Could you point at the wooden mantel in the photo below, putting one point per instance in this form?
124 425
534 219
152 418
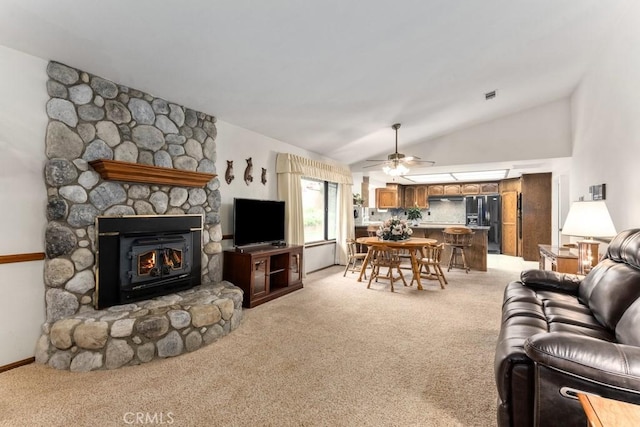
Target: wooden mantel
135 172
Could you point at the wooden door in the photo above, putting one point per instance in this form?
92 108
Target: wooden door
510 223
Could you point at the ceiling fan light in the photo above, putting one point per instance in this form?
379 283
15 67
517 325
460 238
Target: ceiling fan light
396 170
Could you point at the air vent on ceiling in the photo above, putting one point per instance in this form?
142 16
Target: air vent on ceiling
490 95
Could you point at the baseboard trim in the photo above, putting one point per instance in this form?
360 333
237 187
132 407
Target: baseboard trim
17 364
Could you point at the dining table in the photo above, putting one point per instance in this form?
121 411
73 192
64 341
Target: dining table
413 245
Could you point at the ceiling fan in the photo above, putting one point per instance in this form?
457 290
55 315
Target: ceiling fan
397 163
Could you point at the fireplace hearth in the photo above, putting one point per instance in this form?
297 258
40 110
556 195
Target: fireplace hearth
143 257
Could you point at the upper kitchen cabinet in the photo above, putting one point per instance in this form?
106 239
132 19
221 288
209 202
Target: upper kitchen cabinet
470 189
409 196
452 189
436 190
489 188
416 195
390 197
422 198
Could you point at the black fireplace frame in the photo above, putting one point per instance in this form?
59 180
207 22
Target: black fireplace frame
108 232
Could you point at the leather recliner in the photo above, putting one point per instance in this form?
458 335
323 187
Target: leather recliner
562 334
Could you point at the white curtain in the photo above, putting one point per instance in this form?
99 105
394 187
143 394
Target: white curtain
290 169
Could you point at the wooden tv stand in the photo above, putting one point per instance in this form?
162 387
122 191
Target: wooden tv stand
264 272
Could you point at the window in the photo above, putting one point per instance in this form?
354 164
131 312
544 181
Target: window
319 205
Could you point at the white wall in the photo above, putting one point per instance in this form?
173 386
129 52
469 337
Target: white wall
237 144
606 124
22 214
536 133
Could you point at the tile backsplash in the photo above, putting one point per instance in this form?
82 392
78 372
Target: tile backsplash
440 211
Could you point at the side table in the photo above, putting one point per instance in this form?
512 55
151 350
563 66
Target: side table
562 260
603 412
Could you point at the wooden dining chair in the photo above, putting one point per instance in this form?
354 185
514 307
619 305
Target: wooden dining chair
384 257
356 258
429 262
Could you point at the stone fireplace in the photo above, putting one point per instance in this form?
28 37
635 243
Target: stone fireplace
168 296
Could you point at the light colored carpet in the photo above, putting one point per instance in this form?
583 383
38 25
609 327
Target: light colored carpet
331 354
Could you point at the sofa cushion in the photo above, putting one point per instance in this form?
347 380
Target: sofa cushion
516 291
625 247
585 331
551 280
614 291
571 316
627 330
556 297
571 304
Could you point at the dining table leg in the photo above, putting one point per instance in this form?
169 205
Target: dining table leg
415 267
365 263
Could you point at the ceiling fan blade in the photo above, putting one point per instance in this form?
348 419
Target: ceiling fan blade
377 164
376 160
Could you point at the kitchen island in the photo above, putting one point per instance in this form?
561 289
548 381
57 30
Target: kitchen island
476 254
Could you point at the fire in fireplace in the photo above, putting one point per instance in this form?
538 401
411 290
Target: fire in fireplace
143 257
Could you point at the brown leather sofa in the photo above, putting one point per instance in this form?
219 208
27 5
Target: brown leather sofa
562 334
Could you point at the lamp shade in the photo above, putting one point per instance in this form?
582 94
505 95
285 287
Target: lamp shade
589 219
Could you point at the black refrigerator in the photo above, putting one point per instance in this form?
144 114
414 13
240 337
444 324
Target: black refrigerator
485 211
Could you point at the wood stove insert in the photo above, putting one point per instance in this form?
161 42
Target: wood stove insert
141 257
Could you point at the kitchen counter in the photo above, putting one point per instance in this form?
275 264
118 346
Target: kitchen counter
476 254
443 226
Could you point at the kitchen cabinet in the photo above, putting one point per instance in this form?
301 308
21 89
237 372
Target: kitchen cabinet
415 195
436 190
451 189
535 207
470 189
422 199
390 197
526 215
489 188
409 196
510 217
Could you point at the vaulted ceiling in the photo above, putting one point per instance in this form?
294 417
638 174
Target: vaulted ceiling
329 76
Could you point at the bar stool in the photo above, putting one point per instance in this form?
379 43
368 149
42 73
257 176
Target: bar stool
457 238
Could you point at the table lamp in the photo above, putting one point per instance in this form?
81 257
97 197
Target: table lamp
588 219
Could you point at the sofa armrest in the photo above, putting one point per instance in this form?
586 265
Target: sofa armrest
593 359
551 280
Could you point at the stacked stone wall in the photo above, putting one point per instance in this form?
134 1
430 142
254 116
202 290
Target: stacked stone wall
93 118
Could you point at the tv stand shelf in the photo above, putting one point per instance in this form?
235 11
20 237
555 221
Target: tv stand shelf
264 272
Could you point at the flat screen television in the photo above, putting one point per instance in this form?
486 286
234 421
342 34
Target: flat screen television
257 221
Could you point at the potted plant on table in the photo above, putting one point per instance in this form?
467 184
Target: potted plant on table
394 229
414 214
